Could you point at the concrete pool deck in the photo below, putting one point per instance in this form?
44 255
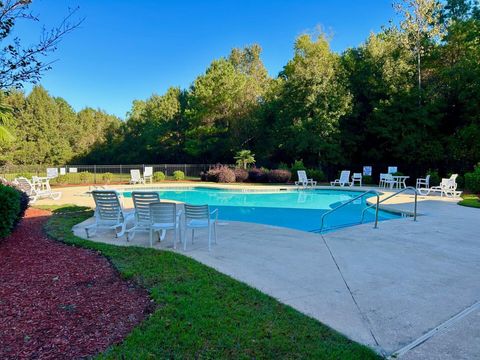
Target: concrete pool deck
386 287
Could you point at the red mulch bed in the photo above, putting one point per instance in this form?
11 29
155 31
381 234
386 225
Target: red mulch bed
58 301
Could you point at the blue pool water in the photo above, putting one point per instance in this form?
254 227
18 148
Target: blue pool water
299 210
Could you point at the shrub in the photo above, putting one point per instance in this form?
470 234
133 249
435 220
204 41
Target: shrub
472 180
257 175
60 180
158 176
24 174
279 176
203 175
84 176
316 174
221 174
241 175
107 177
367 180
14 203
434 177
178 175
283 166
297 165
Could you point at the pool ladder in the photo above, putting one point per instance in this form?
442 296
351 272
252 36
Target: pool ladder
376 205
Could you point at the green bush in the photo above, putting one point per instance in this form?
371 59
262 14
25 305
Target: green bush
158 176
178 175
297 165
61 180
316 174
367 180
107 177
24 174
472 180
84 176
434 177
10 209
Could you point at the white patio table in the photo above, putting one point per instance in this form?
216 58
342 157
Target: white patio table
400 182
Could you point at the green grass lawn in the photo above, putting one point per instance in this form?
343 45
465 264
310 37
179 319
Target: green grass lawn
204 314
470 201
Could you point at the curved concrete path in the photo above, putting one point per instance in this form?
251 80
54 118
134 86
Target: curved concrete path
390 288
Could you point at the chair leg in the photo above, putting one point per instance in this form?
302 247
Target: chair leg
151 237
132 232
122 231
175 238
185 240
164 233
209 237
215 231
193 234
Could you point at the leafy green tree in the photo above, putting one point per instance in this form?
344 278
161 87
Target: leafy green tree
313 98
422 27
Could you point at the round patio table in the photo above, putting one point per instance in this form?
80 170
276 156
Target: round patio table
400 182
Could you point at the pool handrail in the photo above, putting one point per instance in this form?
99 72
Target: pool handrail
374 192
393 195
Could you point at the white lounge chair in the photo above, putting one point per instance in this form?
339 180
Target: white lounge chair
447 187
148 174
303 180
423 185
141 203
356 178
387 180
136 177
34 192
164 216
199 216
108 213
344 179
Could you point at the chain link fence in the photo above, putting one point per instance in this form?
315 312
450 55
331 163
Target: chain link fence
98 174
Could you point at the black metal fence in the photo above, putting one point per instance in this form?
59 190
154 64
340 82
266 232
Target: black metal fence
98 174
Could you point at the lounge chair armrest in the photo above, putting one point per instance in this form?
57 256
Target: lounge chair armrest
214 212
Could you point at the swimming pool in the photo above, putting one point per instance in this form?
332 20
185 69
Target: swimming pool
299 210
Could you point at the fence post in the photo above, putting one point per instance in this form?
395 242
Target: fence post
185 166
94 174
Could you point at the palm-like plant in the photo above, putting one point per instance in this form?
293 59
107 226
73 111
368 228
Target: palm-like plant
244 158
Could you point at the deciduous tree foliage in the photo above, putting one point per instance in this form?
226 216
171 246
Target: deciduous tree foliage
374 104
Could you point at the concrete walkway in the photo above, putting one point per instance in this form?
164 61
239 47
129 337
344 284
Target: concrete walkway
383 287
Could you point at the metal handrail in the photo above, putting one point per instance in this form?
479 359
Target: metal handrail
350 201
391 196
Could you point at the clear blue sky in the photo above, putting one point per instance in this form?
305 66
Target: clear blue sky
128 49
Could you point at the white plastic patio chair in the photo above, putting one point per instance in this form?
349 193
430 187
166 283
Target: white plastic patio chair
199 216
387 180
447 187
303 180
423 185
148 174
34 192
164 216
356 178
135 177
344 179
108 213
141 203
